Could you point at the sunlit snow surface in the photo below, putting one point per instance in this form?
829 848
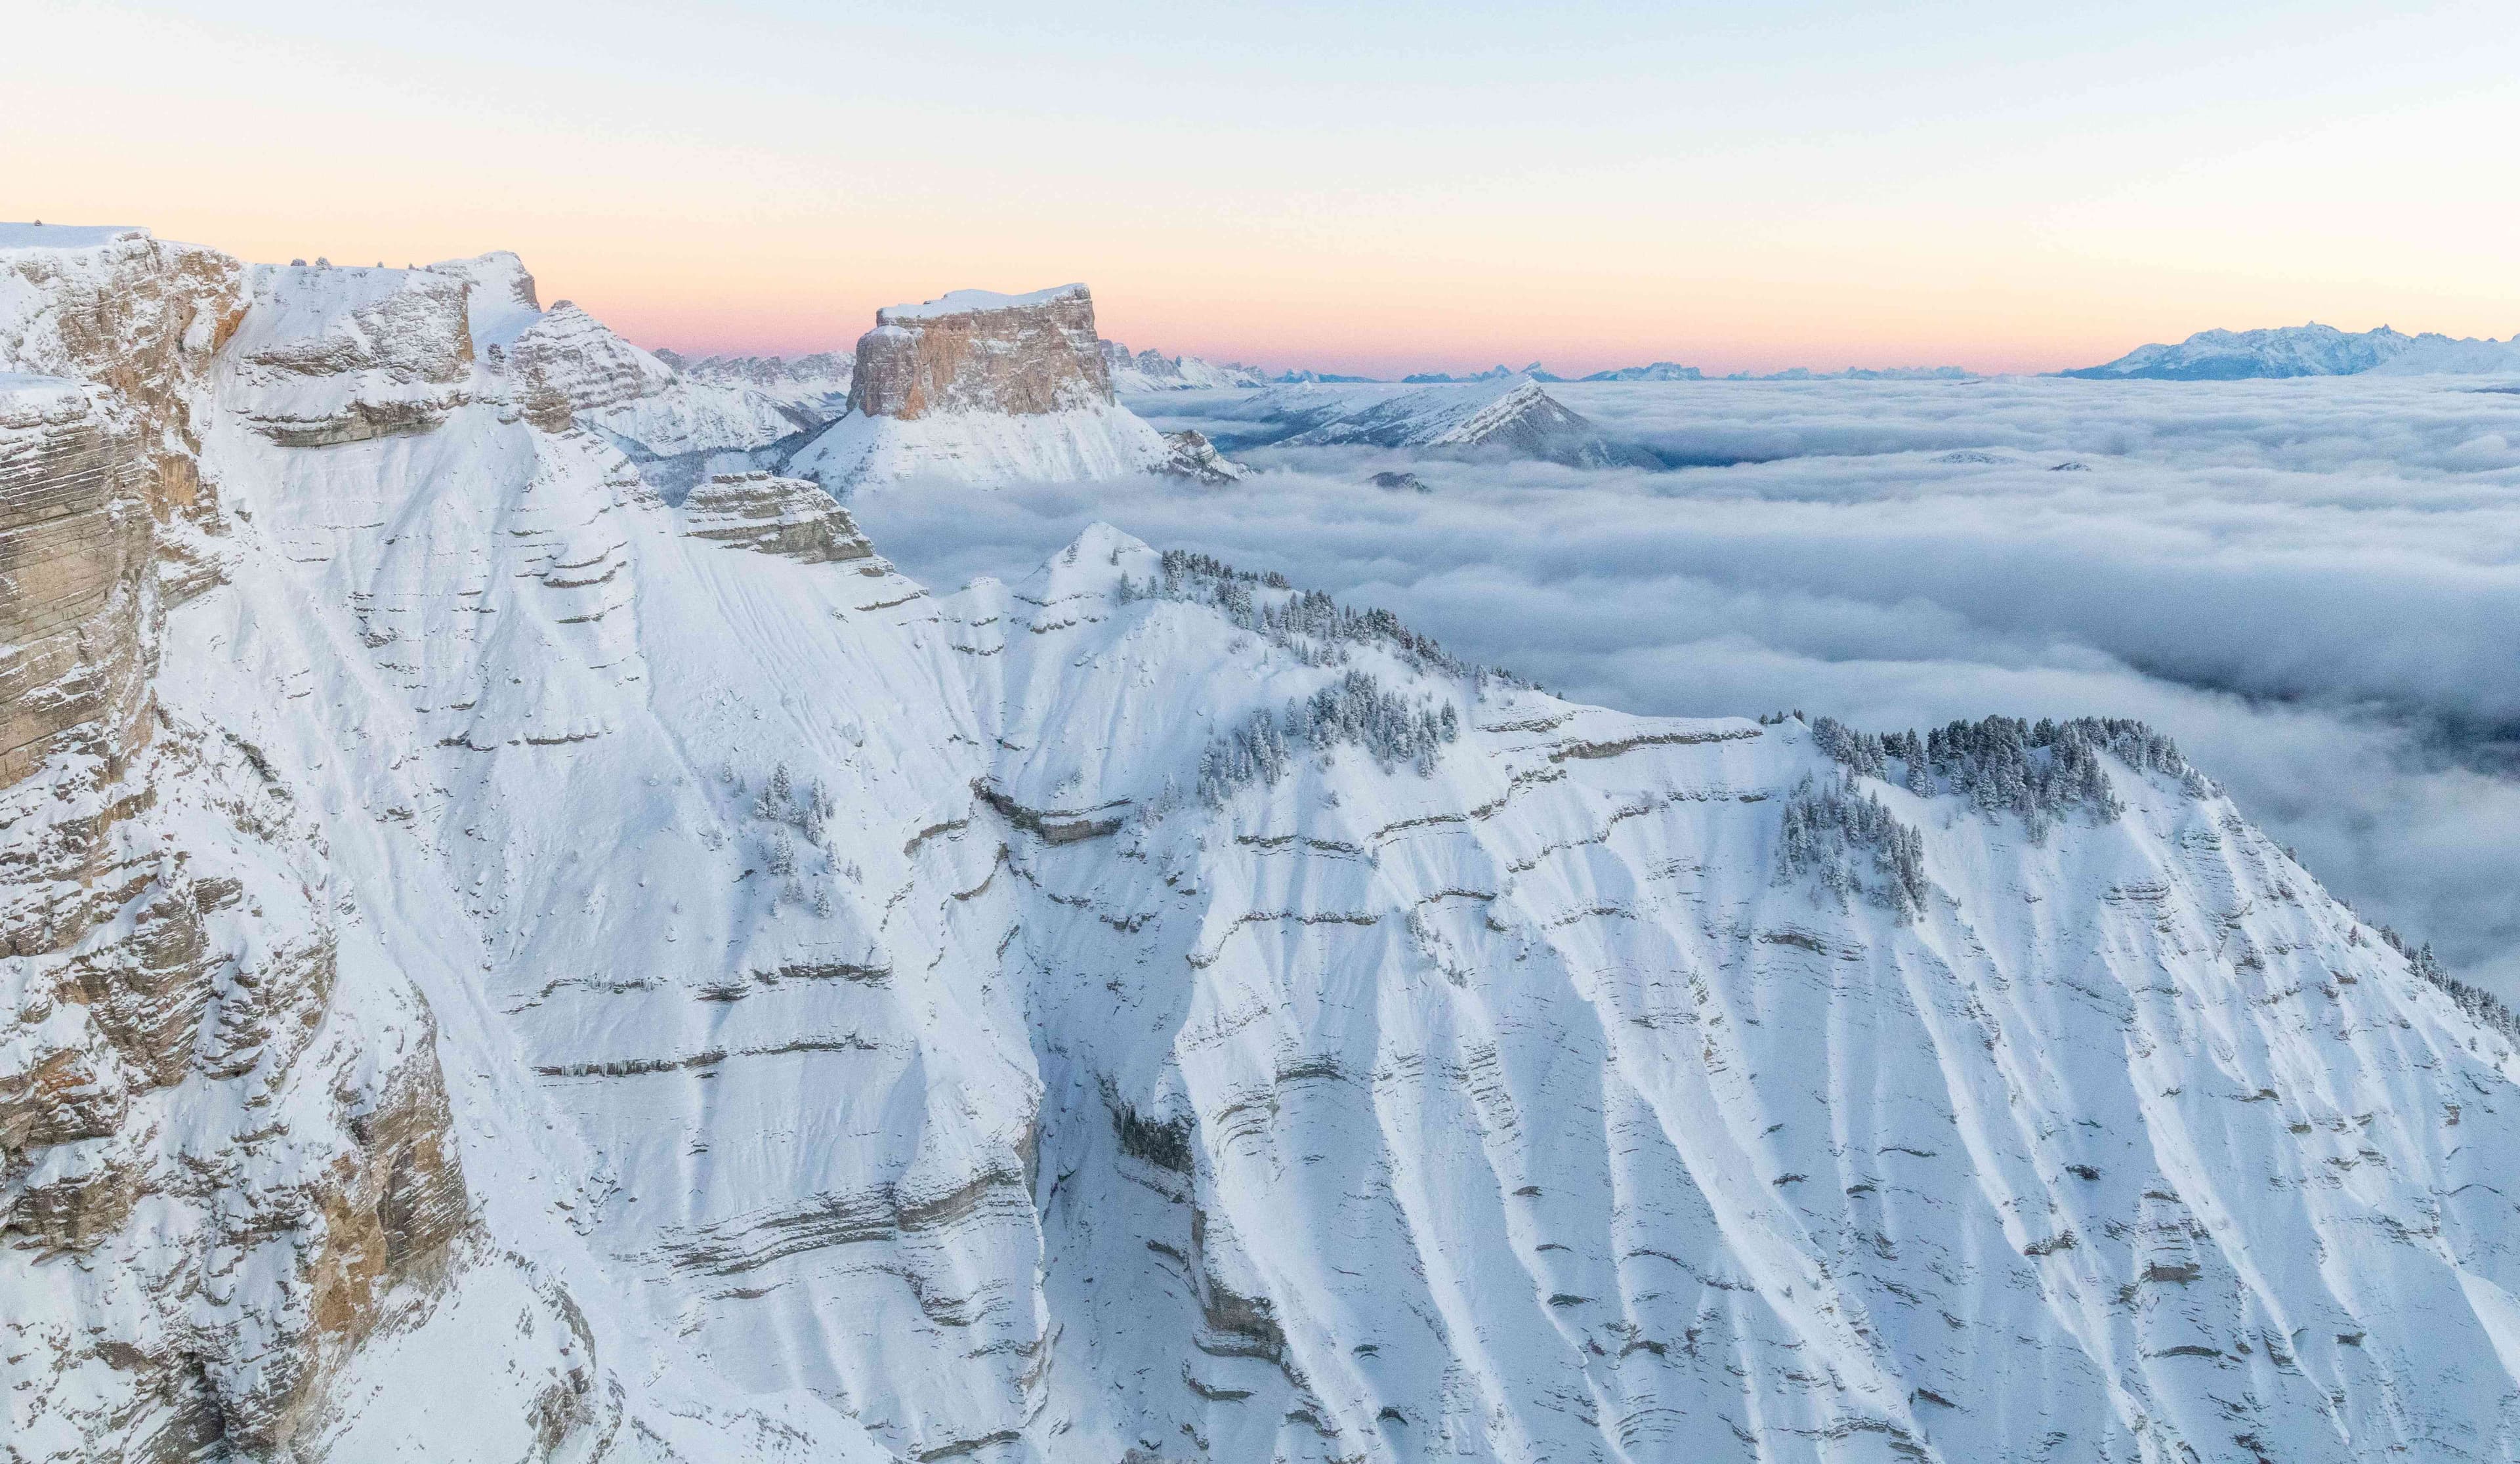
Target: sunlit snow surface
2312 583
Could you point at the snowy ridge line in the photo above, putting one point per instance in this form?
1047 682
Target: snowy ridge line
1730 1098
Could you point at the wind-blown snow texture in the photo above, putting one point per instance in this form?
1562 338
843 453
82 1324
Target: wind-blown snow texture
1144 1012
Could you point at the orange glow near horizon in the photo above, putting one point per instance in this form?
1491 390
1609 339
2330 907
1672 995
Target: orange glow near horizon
1809 196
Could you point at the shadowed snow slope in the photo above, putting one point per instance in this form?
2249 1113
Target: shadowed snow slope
1143 1011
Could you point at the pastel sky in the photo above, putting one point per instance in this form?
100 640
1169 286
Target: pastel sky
1365 187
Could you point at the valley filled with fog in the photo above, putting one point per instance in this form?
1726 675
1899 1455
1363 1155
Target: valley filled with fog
2313 584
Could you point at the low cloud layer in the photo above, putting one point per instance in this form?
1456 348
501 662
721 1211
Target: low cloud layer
2314 586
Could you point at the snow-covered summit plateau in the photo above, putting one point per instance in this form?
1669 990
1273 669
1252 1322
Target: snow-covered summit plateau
979 387
501 965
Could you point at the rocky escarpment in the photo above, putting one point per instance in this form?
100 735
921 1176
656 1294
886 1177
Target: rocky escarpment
225 1149
784 516
331 355
985 388
567 367
141 317
74 558
976 352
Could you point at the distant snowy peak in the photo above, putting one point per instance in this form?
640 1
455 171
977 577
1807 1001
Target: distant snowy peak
1672 370
818 381
1151 370
1515 417
982 387
1660 370
1497 373
2310 350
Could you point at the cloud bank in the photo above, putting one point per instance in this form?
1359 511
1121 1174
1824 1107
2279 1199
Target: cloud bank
2314 586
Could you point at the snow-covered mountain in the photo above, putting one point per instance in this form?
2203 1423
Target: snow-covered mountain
504 966
979 386
816 384
1497 373
1151 370
2310 350
1660 370
1512 417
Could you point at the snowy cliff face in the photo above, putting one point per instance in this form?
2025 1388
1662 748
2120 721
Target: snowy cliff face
570 367
574 975
979 387
339 355
224 1152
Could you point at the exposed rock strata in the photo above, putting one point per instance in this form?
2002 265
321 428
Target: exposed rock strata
784 516
975 351
985 388
1515 418
330 356
217 1176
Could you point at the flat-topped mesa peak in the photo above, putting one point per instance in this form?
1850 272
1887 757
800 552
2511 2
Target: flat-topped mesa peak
977 350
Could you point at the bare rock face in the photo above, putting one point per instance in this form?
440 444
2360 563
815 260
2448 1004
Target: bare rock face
978 351
140 316
330 356
772 515
74 559
985 388
214 1175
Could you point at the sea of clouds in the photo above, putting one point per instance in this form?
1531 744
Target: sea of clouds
2314 585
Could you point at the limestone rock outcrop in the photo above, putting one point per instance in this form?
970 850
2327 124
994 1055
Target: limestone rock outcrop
140 316
73 557
978 351
331 355
774 515
217 1174
984 387
569 368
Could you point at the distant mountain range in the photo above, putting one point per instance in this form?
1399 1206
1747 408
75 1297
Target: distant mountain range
2310 350
1672 370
